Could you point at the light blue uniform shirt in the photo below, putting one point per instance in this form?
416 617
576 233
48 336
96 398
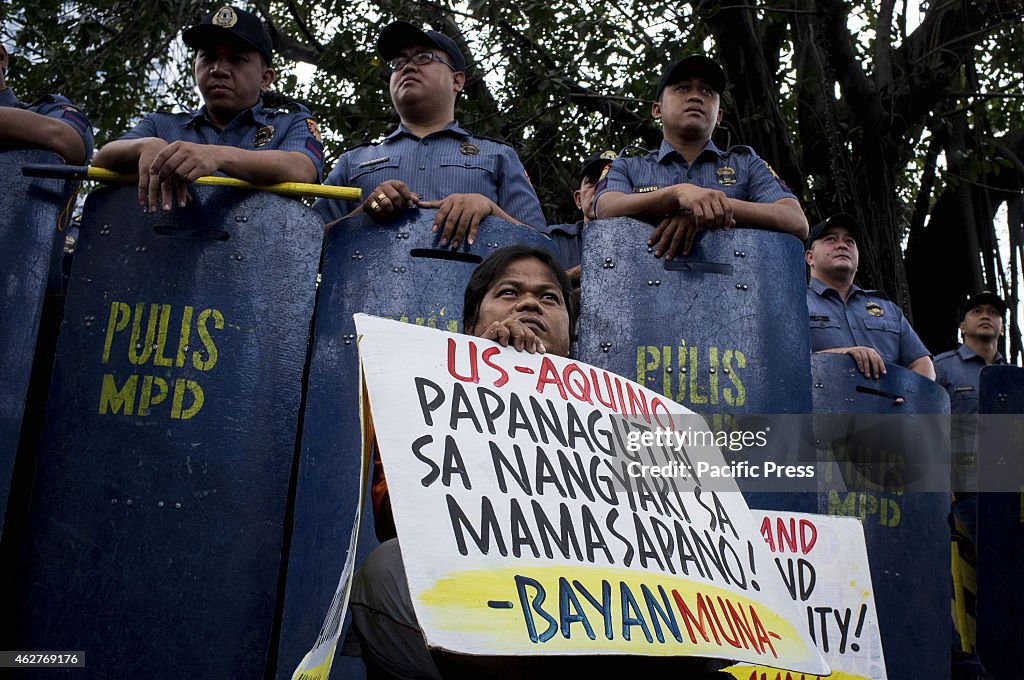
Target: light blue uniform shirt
867 318
254 129
738 173
58 107
959 372
449 161
568 239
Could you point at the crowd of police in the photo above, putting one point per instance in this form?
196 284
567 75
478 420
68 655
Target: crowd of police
685 187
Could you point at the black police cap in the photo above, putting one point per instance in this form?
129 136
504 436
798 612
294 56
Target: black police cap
837 220
693 65
985 297
595 163
398 35
231 26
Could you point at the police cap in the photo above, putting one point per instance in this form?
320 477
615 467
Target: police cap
693 65
231 26
398 35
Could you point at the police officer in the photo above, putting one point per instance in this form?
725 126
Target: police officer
431 161
959 372
233 134
569 237
689 184
52 122
846 319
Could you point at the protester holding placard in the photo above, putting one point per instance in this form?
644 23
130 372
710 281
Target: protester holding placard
520 298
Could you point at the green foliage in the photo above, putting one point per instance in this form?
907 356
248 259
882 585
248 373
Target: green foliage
561 79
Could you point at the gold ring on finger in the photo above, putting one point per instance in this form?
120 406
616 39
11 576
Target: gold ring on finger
375 206
381 196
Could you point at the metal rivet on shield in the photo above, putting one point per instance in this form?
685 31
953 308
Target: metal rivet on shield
668 369
657 282
177 506
138 346
741 286
739 253
113 501
725 370
357 255
159 504
650 249
605 346
650 282
128 502
682 369
89 319
105 230
241 218
819 386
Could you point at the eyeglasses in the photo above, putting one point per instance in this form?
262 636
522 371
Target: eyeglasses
421 59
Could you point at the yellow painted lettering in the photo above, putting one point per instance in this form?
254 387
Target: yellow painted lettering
146 396
116 400
204 336
695 396
139 349
185 337
713 374
739 397
180 385
161 337
120 314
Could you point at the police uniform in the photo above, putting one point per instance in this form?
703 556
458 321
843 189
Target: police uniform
568 239
959 372
738 173
449 161
58 107
255 129
867 318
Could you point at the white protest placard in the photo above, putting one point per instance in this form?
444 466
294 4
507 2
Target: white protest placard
823 563
526 528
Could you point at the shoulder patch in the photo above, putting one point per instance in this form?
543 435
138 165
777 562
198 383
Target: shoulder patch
314 129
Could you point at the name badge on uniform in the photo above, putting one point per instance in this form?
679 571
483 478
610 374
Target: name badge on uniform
366 164
966 388
726 175
645 190
263 135
467 149
818 317
874 309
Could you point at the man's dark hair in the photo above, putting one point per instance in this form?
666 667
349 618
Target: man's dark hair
491 268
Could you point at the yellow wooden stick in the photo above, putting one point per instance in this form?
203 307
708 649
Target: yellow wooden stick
283 189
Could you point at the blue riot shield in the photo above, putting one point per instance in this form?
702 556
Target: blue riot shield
1000 539
716 331
158 508
397 271
887 441
721 331
30 210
